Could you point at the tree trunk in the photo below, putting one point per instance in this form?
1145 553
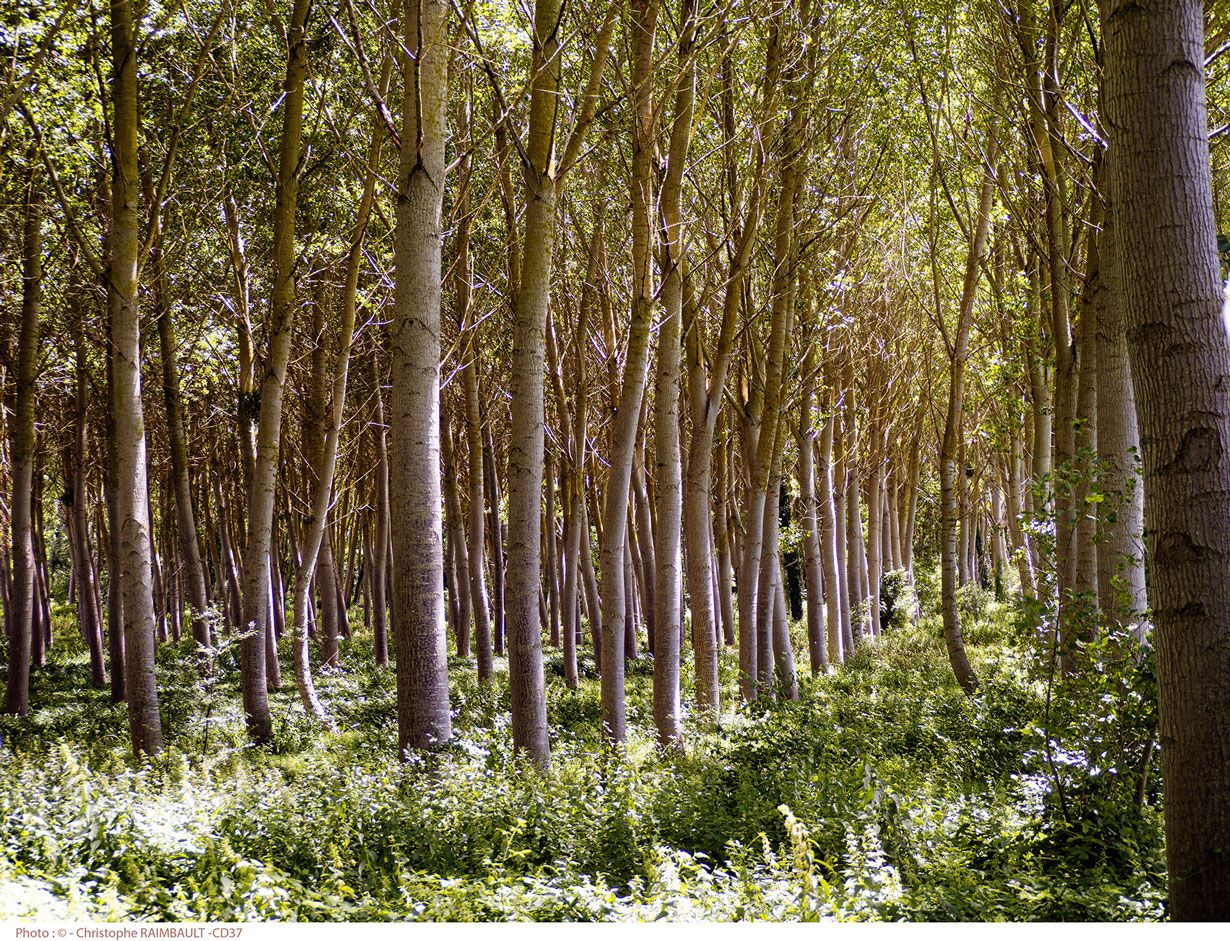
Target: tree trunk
380 531
1121 566
1180 361
22 592
954 438
255 595
615 550
423 718
818 654
136 562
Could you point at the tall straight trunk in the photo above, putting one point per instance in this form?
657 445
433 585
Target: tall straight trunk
721 536
457 539
875 528
76 506
478 540
380 531
136 562
525 454
615 551
185 518
472 427
855 566
496 530
818 654
423 718
643 522
255 595
668 471
1085 606
115 584
837 619
1180 361
849 594
953 440
964 550
576 540
315 404
551 542
572 582
1121 565
22 592
1020 542
783 649
1041 410
593 598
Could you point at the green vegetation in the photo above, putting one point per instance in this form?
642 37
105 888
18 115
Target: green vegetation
884 793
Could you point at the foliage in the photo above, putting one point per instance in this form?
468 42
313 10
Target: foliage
883 793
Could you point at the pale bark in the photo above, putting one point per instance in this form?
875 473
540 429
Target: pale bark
255 595
136 562
423 718
954 435
614 563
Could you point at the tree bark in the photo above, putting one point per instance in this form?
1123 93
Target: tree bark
22 593
423 718
1180 361
255 594
954 438
136 561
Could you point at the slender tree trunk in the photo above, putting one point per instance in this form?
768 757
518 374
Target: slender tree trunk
21 598
954 437
136 562
668 489
185 518
837 619
457 539
423 718
1085 607
615 551
1121 567
255 595
818 654
380 535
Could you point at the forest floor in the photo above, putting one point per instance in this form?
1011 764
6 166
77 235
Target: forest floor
883 793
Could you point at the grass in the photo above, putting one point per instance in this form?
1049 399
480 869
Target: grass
884 793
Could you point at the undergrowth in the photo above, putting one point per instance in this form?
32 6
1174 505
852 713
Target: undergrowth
884 793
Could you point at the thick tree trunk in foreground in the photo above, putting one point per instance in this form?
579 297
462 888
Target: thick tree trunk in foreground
1180 356
423 718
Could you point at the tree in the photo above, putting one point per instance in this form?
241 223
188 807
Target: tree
263 485
132 491
423 718
1180 361
21 594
